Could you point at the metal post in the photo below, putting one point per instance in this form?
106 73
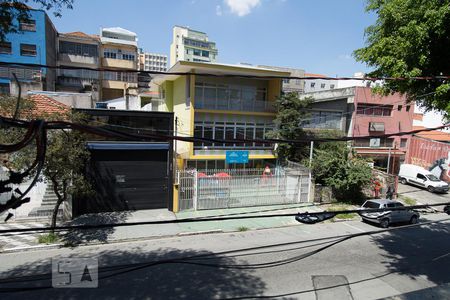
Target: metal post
310 175
195 195
389 161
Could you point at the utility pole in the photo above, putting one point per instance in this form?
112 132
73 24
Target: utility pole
310 165
175 147
389 161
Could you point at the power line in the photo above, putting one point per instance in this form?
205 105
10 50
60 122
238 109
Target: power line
387 78
193 220
124 269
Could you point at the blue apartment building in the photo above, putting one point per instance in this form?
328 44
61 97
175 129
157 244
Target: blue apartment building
34 43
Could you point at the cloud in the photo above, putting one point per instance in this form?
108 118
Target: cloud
218 10
242 7
345 56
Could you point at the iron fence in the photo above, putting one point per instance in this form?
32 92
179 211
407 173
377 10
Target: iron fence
232 188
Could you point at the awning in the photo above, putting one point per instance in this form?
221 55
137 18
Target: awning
127 146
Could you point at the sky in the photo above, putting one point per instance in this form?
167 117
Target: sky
318 36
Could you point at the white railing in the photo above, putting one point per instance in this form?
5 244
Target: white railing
231 188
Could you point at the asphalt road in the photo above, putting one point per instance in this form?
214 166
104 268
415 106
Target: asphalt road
422 196
283 262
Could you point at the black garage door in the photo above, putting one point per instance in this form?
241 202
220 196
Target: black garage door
127 177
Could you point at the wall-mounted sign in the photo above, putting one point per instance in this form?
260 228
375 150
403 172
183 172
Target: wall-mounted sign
236 156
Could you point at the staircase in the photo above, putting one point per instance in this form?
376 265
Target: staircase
47 205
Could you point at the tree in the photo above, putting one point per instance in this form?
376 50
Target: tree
335 165
66 153
410 38
11 11
291 110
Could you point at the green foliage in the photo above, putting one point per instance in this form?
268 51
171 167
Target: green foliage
410 38
14 10
66 154
49 238
291 112
242 228
337 167
340 207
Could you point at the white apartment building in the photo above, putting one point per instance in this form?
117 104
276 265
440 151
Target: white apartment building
191 45
152 61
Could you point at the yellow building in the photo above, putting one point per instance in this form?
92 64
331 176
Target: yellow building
222 108
118 51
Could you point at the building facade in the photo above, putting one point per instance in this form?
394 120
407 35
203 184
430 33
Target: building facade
191 45
359 113
33 44
152 61
223 109
291 85
78 49
317 85
119 51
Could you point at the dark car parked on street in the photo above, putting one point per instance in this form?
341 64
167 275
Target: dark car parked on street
385 218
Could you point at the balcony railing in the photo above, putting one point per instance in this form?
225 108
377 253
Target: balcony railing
91 60
239 104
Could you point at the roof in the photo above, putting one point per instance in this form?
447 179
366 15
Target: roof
219 69
315 75
119 30
47 105
80 34
435 135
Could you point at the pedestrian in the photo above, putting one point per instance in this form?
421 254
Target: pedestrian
390 192
267 173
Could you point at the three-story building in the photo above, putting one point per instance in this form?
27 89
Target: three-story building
118 51
33 44
221 108
79 50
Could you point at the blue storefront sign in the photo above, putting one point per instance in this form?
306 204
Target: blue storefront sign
236 156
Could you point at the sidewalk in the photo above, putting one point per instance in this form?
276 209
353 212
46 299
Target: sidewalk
152 231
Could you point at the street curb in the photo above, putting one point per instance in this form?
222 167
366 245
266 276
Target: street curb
31 248
200 232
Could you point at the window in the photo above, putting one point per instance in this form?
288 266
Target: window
27 25
331 86
399 108
286 81
5 48
298 81
374 110
313 84
110 53
403 143
197 52
78 49
408 107
27 50
420 176
322 86
205 53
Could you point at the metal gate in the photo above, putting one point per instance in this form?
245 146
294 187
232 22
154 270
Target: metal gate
231 188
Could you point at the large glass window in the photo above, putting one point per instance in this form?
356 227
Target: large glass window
78 49
219 135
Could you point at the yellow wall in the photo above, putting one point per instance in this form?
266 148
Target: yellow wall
183 113
274 89
118 63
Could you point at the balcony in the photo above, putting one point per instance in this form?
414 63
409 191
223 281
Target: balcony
238 105
81 59
119 63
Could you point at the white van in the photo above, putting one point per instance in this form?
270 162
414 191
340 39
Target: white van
421 177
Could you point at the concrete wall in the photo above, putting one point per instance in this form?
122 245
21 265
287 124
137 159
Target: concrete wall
75 100
399 120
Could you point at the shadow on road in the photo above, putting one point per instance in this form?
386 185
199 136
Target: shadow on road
409 251
171 280
77 236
